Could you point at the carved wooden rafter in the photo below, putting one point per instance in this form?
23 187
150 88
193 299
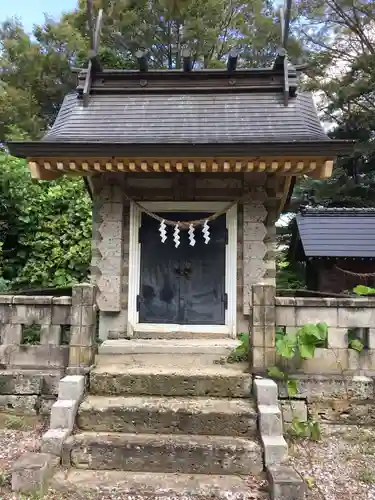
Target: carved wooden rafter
94 61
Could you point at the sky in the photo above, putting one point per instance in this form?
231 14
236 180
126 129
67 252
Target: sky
32 11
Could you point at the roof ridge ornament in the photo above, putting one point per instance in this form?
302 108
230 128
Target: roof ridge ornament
94 61
282 55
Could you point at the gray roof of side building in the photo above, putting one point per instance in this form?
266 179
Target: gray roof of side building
189 118
337 232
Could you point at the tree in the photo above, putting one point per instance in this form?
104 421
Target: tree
45 228
340 44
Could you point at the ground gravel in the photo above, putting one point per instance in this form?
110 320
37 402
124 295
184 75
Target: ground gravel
339 467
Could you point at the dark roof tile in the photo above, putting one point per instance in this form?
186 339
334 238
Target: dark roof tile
337 232
187 118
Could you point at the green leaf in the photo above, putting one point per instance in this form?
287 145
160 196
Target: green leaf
323 329
356 344
363 290
306 351
286 347
318 331
292 388
299 427
310 481
275 372
315 432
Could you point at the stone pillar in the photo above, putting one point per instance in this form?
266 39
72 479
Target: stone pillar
82 345
262 327
254 249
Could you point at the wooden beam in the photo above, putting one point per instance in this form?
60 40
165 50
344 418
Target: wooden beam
232 60
94 62
94 49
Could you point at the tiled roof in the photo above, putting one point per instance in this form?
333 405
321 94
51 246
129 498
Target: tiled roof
337 232
200 118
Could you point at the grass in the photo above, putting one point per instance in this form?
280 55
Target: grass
14 422
366 476
5 478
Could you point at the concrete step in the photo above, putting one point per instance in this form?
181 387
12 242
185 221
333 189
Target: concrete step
219 347
185 379
150 414
163 453
148 485
178 335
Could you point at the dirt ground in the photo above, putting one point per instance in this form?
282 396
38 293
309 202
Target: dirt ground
339 467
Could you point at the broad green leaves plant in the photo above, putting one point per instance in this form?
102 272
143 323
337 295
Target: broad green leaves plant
241 352
45 229
301 344
364 290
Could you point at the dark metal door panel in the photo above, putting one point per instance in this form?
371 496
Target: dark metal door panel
202 289
184 285
159 282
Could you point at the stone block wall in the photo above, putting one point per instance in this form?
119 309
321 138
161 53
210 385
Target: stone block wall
347 318
256 233
344 317
42 337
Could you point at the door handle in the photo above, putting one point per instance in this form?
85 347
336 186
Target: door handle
178 271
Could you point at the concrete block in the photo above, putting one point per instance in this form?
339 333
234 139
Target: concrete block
33 300
46 404
363 317
254 231
5 313
39 356
53 440
50 334
22 405
270 421
6 299
319 386
338 337
293 409
326 361
275 449
264 315
62 301
286 316
61 314
266 392
11 334
32 471
32 314
20 383
63 414
72 387
313 315
285 483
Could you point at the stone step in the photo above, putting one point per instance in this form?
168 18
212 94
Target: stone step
218 347
178 335
148 485
167 415
166 380
163 453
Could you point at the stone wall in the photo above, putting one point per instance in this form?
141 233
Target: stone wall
256 233
43 337
346 318
341 315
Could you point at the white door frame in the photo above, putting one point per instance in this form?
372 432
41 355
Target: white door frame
230 325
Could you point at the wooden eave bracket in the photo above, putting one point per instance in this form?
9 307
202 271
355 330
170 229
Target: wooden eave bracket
52 168
94 61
